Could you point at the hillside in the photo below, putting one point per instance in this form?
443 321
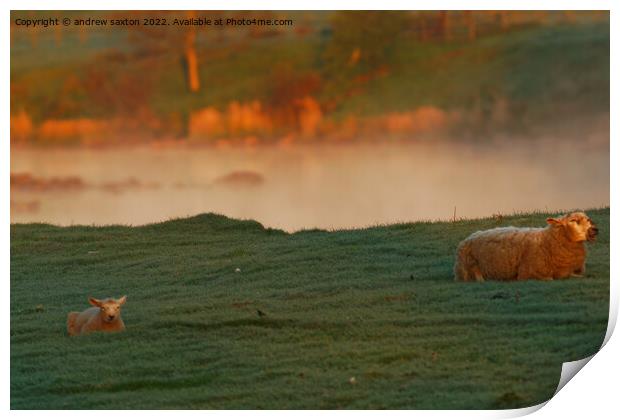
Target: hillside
378 305
539 74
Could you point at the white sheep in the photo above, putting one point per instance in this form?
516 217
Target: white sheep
510 253
105 315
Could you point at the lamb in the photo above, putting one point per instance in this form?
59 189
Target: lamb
509 253
105 315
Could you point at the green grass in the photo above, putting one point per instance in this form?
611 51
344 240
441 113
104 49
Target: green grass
378 304
540 67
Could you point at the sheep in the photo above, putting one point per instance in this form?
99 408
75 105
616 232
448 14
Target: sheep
105 315
509 253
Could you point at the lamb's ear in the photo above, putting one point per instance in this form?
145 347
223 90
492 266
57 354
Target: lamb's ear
94 302
122 300
554 222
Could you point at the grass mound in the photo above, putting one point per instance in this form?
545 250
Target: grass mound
224 313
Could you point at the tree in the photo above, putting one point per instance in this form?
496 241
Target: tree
444 24
372 33
164 40
470 21
360 45
191 59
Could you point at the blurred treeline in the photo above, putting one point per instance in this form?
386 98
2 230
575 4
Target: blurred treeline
329 75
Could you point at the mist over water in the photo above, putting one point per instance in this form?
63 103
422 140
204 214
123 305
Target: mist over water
320 186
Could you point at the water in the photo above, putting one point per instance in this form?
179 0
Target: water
313 186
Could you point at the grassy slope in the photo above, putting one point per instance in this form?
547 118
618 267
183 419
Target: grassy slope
541 68
543 71
377 304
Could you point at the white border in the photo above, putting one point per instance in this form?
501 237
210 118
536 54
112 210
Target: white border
593 393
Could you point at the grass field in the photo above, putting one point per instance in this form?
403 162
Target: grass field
378 305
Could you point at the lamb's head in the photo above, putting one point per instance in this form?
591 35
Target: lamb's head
577 226
110 308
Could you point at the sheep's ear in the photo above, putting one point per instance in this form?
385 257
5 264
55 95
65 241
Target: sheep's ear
122 300
554 222
94 302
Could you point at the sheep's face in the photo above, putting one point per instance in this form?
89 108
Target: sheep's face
110 308
577 226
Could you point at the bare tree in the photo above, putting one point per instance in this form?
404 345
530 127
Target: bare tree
191 59
470 21
445 25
